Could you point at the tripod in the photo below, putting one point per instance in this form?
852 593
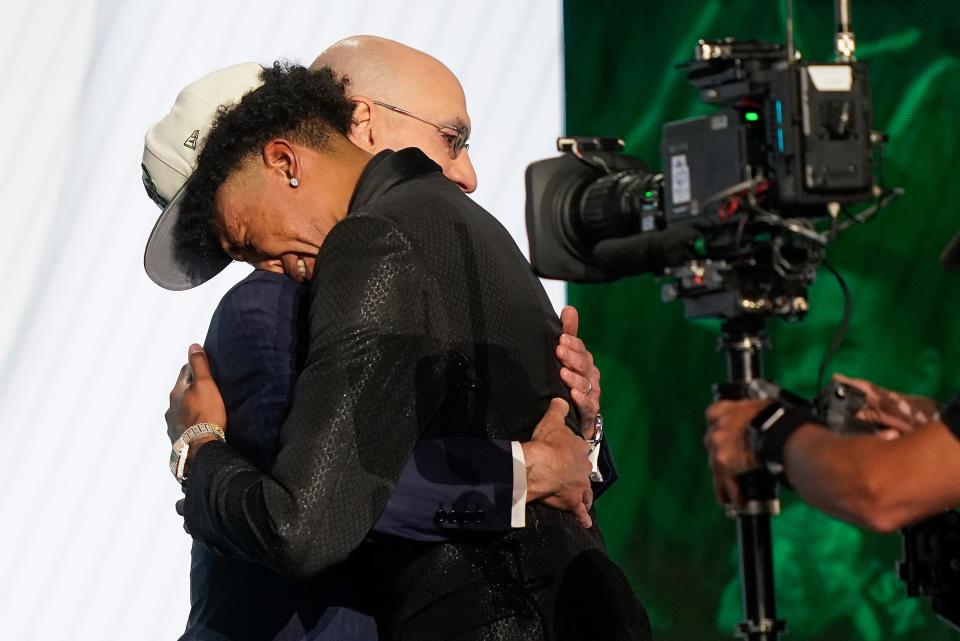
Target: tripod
743 342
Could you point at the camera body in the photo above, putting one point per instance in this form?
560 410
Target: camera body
805 128
792 141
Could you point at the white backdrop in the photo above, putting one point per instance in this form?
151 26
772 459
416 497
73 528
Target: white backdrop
90 547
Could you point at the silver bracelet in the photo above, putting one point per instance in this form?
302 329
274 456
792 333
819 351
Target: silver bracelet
597 432
178 453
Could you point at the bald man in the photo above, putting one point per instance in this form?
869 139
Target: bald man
435 499
400 94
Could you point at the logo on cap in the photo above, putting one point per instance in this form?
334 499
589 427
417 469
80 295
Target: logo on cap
191 142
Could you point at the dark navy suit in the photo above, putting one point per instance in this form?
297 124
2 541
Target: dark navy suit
255 345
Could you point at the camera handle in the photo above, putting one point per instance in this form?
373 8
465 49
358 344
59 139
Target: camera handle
743 341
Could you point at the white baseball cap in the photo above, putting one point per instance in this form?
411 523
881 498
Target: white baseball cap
170 151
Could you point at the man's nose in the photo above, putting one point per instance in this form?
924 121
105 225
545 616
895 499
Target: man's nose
461 171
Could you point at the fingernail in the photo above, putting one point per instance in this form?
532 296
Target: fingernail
195 349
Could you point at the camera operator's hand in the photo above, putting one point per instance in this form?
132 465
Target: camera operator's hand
898 413
558 467
728 453
579 372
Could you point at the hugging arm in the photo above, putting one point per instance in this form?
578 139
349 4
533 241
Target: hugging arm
446 485
232 504
369 384
253 347
477 485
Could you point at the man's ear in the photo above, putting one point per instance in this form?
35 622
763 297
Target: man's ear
279 156
361 131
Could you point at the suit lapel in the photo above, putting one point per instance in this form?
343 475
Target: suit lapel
386 169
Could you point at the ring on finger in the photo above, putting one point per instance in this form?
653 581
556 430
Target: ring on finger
589 388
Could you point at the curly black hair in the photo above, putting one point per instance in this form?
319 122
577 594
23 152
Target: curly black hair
302 105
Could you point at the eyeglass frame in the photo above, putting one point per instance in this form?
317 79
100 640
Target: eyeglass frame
458 142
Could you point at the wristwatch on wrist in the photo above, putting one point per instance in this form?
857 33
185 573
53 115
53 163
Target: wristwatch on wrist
597 432
768 434
178 456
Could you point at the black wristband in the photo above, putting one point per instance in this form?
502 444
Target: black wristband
769 431
950 416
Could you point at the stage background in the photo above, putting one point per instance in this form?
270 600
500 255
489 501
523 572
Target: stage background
90 546
834 581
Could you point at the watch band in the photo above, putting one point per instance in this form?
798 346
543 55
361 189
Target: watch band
597 431
595 475
768 434
178 454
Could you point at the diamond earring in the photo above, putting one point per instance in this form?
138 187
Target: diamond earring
294 182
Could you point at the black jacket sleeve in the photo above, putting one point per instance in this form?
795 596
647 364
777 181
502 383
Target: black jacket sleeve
372 380
608 470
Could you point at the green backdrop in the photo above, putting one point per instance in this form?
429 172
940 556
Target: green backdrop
834 581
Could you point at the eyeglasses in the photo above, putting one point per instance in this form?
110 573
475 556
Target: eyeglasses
456 136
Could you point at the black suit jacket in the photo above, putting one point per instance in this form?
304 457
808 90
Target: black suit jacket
425 320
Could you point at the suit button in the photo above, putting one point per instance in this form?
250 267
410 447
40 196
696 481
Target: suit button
479 516
467 516
439 516
454 517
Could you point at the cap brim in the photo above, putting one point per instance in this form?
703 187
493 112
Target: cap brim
950 258
172 268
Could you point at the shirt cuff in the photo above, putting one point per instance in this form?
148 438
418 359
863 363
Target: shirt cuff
518 511
594 457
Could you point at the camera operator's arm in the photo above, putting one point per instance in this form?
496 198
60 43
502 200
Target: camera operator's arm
875 483
878 484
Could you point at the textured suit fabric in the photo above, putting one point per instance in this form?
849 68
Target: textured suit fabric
256 345
255 350
425 321
233 600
